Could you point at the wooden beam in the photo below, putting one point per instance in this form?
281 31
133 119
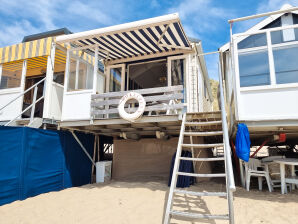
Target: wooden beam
168 53
140 91
159 107
158 98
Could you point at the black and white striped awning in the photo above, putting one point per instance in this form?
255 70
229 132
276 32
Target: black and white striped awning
155 36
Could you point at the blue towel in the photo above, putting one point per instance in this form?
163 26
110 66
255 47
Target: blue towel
185 166
243 142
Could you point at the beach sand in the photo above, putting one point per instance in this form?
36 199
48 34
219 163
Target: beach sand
144 202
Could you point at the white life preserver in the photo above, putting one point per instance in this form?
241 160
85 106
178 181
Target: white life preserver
138 113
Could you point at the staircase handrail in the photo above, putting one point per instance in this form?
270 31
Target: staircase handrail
227 154
23 93
32 105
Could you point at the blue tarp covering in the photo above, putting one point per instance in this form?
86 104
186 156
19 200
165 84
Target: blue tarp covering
35 161
243 142
185 166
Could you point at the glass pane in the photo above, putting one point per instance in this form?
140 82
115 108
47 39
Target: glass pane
115 79
177 71
89 83
72 75
254 69
286 68
100 83
82 76
283 36
151 74
256 40
85 76
11 75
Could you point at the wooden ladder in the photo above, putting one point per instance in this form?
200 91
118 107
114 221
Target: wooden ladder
199 124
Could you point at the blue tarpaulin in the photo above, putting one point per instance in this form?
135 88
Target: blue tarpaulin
185 166
35 161
243 142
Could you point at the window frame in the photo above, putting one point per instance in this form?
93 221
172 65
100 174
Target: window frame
22 81
78 60
108 75
269 47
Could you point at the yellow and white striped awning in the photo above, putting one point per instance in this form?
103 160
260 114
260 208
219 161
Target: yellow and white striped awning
21 51
36 52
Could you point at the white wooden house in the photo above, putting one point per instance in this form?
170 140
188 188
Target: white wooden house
261 76
32 80
152 57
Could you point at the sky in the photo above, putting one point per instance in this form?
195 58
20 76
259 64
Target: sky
206 20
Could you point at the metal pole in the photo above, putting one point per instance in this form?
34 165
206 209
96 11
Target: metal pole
84 149
263 15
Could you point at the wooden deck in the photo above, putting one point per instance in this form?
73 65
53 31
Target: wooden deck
146 126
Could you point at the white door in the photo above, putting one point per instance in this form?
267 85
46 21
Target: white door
12 78
78 88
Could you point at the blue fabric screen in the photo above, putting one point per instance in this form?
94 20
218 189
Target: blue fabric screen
35 161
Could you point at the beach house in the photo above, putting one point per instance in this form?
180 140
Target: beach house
261 76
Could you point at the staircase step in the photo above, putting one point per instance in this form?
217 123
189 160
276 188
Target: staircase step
202 174
208 133
207 123
200 194
202 145
198 216
202 159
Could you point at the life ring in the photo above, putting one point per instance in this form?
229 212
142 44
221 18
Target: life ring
138 113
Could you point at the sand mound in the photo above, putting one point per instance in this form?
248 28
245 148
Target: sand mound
144 202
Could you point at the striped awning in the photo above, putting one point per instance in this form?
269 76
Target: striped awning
155 36
21 51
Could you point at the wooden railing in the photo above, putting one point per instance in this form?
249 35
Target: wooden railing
159 101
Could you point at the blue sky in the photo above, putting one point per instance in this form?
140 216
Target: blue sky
202 19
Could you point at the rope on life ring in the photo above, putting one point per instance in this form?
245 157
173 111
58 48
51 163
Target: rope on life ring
138 113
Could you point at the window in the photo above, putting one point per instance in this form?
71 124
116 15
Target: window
283 36
11 75
254 69
115 79
80 75
256 40
178 71
286 68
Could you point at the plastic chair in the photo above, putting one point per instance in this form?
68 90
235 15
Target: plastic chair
251 169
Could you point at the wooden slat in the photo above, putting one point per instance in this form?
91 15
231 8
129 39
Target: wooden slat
175 96
149 108
141 91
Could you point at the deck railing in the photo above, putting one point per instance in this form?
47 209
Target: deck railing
159 101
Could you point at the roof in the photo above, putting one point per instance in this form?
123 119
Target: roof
155 36
261 24
46 34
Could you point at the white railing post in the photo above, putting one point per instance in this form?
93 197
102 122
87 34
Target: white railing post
33 104
227 150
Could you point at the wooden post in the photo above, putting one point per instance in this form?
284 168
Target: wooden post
98 149
94 154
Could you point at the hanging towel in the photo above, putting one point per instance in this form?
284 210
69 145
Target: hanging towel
185 166
243 142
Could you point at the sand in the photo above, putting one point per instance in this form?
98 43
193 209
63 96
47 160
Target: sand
143 202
